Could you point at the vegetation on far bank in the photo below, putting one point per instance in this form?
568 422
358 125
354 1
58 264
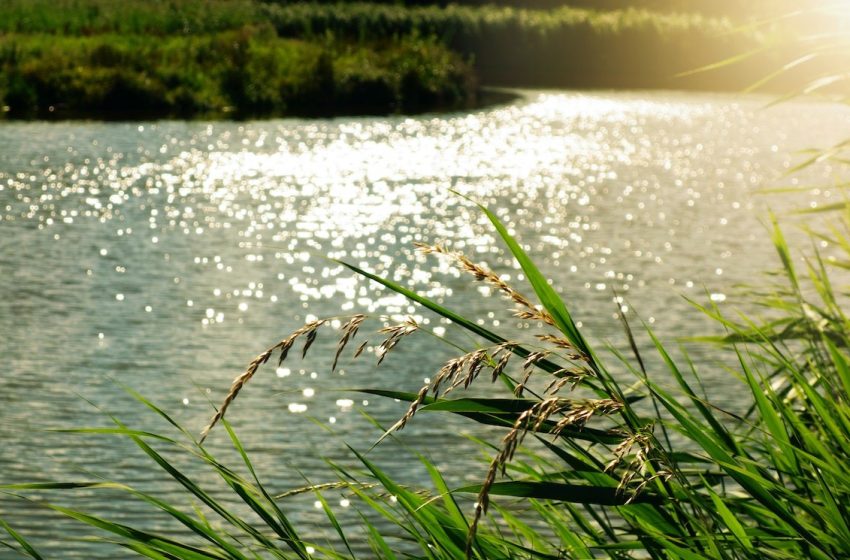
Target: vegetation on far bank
185 57
245 72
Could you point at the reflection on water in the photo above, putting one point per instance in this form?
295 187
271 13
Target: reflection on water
164 256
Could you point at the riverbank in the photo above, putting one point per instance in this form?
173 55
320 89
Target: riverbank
245 58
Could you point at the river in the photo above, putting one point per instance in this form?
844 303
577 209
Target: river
163 256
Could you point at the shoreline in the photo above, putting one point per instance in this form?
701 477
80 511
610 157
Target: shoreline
485 98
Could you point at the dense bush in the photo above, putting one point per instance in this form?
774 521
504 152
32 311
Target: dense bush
248 71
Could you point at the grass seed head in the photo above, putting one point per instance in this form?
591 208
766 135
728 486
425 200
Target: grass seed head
395 334
308 330
528 310
349 331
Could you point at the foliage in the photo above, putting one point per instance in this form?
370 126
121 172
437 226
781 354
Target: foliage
248 71
128 17
571 46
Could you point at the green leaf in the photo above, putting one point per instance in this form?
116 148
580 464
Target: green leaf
575 493
547 295
506 419
490 406
28 548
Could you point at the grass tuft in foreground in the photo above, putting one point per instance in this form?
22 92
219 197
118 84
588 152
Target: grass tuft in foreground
590 464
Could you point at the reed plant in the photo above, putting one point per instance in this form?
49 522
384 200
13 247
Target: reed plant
607 454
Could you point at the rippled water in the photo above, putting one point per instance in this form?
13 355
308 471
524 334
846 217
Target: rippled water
163 256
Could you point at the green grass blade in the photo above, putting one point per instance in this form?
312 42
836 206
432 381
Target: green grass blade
574 493
159 543
279 523
379 545
482 405
28 548
550 300
507 420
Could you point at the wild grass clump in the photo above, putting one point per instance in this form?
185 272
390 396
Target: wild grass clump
641 469
631 459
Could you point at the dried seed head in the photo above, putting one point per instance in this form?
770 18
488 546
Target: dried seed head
635 452
533 417
663 475
565 376
349 331
308 330
556 341
420 398
564 344
361 348
395 334
472 364
457 372
237 385
527 369
582 411
482 274
310 338
535 315
501 365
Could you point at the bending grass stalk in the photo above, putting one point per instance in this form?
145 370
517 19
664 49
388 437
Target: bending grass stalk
769 484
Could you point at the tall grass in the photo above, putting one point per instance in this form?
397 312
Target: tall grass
571 47
607 458
183 17
128 17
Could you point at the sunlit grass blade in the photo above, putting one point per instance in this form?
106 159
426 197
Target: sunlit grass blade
268 509
550 300
26 547
723 63
153 541
506 419
574 493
